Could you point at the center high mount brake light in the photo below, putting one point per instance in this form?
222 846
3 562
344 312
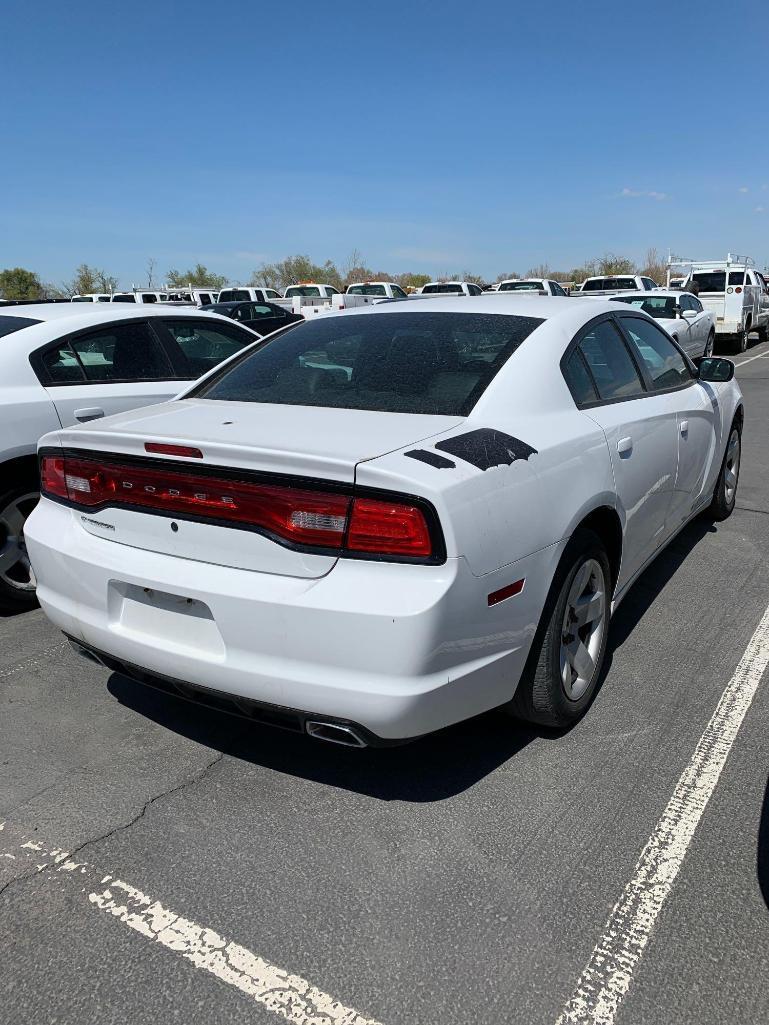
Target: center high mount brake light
303 516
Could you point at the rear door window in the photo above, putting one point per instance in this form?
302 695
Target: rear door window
579 380
406 362
664 363
611 366
204 345
118 352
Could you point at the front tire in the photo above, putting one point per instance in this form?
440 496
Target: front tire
567 655
725 494
17 580
710 344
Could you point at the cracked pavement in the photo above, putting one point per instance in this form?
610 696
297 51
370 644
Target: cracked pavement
462 879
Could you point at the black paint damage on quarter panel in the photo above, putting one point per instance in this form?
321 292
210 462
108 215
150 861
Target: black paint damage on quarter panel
485 448
432 458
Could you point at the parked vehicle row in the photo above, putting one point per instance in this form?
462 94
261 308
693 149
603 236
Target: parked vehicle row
382 521
736 293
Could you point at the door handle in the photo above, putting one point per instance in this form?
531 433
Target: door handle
625 446
684 427
90 413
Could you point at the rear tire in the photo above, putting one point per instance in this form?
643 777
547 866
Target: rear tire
17 580
710 344
569 647
725 494
739 343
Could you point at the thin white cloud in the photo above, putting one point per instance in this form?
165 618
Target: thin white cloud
643 194
759 209
744 189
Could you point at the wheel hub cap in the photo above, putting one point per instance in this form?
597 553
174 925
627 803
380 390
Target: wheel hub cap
583 628
732 466
15 569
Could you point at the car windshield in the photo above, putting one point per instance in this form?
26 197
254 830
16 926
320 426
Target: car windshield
663 307
10 324
305 290
367 290
392 362
521 286
442 287
715 280
599 284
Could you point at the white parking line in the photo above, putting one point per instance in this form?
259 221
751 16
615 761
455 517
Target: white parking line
287 995
609 972
742 362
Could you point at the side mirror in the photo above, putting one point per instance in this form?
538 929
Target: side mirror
689 314
715 369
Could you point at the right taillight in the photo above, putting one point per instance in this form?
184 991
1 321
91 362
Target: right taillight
304 516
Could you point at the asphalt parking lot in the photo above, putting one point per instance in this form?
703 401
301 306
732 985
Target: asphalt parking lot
164 862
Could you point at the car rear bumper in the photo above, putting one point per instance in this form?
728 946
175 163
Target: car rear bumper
400 650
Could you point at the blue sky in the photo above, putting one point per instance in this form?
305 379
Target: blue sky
435 137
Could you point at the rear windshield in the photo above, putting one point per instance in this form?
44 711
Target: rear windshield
10 324
663 307
367 290
715 280
393 362
124 298
521 286
443 287
229 295
305 290
598 284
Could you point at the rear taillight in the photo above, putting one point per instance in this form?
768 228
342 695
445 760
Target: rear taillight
302 516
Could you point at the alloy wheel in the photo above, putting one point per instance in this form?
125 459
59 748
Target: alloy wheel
710 345
584 623
16 572
732 467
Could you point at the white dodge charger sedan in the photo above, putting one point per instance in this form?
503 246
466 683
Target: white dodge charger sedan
382 522
681 314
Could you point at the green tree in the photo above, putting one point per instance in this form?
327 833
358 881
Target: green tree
610 263
411 280
89 279
295 269
198 277
18 283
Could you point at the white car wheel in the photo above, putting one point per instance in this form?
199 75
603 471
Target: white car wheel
17 579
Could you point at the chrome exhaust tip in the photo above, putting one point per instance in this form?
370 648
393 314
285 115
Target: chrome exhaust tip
85 653
334 733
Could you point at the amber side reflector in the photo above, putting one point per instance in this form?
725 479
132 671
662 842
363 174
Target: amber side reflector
173 450
506 592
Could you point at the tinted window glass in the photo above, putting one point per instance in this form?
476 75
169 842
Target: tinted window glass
610 363
659 306
367 290
579 380
124 298
149 297
311 291
229 295
61 366
442 288
397 362
10 324
665 364
557 290
122 352
520 286
206 345
398 291
695 304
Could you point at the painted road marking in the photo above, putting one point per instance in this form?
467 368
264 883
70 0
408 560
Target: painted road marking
609 972
742 362
287 995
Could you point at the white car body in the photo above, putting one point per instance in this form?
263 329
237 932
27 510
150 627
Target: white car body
335 641
384 289
32 403
691 324
310 290
247 293
543 286
141 296
92 297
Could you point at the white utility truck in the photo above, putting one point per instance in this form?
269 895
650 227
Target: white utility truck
735 292
617 283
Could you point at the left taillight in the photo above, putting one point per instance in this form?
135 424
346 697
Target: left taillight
52 476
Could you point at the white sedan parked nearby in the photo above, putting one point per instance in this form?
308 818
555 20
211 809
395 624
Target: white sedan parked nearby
382 522
62 364
681 314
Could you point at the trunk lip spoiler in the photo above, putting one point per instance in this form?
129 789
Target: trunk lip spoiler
437 558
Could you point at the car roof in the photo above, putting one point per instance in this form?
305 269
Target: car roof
664 293
91 313
521 304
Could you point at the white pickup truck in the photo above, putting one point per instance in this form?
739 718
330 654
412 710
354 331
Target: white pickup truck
543 286
450 288
310 290
617 283
246 294
737 295
383 289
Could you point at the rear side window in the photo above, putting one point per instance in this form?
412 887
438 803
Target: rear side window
234 295
124 298
579 380
206 345
367 290
442 288
610 363
406 362
119 352
10 324
666 367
